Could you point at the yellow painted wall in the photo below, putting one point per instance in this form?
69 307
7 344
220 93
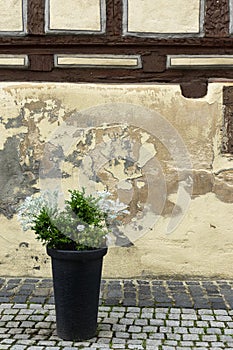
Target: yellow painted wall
166 136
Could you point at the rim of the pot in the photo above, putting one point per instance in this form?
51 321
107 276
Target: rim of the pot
77 254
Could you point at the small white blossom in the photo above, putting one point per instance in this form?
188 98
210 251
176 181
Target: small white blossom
69 223
33 205
80 228
111 207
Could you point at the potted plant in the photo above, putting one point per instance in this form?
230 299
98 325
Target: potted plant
76 241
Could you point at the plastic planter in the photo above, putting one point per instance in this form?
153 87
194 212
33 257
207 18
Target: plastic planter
76 283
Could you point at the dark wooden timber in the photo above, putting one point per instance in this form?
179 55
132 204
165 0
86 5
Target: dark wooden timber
114 19
35 16
41 46
216 18
41 63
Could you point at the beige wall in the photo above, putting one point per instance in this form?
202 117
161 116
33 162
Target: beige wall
11 15
76 15
161 132
168 16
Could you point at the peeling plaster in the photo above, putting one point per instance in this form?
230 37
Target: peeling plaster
128 161
16 182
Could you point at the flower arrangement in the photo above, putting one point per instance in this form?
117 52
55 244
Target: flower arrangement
83 224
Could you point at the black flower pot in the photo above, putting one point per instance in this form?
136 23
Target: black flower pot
76 283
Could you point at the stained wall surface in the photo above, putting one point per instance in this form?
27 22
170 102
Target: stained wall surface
157 151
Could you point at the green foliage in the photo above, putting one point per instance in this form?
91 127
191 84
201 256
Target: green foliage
48 231
86 208
83 224
80 226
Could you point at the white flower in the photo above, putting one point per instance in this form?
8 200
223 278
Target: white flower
32 206
111 207
80 228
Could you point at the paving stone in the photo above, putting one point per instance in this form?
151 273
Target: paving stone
149 329
207 318
105 334
174 336
119 327
218 324
203 344
116 314
124 327
7 317
27 324
174 316
204 323
220 312
10 312
141 322
172 343
216 345
157 322
7 341
25 342
160 315
196 330
189 317
127 321
119 342
209 338
157 336
123 335
12 324
225 338
186 343
112 320
117 346
214 331
19 299
186 323
192 337
139 336
223 318
135 329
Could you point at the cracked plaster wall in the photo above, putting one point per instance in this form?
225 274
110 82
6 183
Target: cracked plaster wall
123 148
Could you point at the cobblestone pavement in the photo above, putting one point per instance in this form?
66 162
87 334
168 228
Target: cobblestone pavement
133 314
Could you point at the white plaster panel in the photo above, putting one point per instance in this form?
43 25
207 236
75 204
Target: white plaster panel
98 60
190 61
167 16
13 60
74 15
11 19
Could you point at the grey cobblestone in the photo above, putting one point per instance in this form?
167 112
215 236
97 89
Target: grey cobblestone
187 323
31 326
